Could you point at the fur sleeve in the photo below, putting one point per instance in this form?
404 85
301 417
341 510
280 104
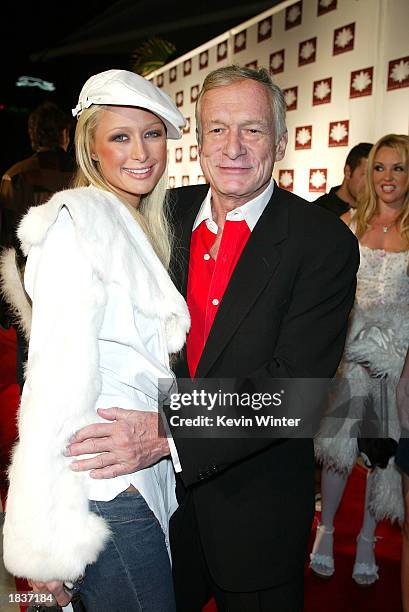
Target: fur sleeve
378 338
11 288
49 532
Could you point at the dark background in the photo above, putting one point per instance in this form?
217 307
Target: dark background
66 42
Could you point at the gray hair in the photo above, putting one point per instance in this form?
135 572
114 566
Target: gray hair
152 214
228 75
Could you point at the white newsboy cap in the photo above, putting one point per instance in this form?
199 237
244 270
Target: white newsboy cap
124 88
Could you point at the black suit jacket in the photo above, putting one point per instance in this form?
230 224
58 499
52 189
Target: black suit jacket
330 201
283 315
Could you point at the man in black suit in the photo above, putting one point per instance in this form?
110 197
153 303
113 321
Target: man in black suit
270 281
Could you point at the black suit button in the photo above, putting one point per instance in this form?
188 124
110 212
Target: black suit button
208 473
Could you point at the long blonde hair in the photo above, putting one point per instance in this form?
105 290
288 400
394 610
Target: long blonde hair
367 203
152 211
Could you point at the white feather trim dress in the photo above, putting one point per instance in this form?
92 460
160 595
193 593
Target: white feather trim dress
375 350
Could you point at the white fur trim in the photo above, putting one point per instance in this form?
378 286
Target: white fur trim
376 346
385 496
116 250
13 291
49 532
35 546
379 337
338 454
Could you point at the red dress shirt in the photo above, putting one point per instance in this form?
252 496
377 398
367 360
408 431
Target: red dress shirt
208 279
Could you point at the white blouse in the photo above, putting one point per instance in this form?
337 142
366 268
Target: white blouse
133 355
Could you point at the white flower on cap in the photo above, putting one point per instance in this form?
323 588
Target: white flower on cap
124 88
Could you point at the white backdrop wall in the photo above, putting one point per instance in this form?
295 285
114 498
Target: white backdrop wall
344 67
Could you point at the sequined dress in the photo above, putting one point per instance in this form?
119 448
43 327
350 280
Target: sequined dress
382 277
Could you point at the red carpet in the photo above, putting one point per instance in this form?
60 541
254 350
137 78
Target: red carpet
340 594
9 400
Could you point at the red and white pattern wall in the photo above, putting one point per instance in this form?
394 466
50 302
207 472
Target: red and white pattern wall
344 68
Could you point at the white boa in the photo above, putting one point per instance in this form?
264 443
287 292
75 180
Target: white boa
12 289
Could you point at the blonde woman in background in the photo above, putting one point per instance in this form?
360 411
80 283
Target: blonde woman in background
375 348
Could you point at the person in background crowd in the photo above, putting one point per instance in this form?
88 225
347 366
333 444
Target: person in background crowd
105 318
343 197
265 303
376 345
33 181
30 182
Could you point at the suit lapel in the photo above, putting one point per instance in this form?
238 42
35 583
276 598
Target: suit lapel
188 205
186 209
254 269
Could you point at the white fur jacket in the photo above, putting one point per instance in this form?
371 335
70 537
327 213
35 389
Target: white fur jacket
49 532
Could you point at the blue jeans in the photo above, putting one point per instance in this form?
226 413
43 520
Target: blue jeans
133 572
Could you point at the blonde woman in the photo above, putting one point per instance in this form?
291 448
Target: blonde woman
375 349
105 317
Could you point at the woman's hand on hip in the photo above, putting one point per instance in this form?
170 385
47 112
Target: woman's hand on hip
56 588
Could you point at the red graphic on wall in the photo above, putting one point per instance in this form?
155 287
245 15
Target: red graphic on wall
338 135
222 51
307 51
159 80
203 60
240 41
186 129
291 98
321 91
325 6
277 62
286 179
318 180
194 92
187 67
344 39
252 65
293 15
173 74
264 29
179 98
361 82
303 137
178 155
398 73
193 153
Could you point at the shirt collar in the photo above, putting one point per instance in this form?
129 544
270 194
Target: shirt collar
249 212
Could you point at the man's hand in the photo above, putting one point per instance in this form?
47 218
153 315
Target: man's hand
128 444
56 588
